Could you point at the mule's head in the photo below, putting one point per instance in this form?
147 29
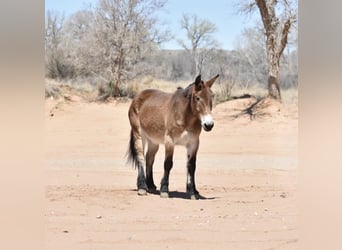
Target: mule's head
202 101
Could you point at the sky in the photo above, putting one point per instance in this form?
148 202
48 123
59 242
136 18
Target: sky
222 13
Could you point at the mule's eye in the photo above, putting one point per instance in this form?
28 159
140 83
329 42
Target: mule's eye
197 98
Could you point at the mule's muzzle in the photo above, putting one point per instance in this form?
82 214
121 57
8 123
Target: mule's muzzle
207 122
208 127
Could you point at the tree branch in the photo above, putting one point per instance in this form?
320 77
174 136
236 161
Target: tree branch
265 15
284 35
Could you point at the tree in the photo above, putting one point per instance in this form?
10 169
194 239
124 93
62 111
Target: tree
125 31
200 41
277 28
78 43
54 56
252 57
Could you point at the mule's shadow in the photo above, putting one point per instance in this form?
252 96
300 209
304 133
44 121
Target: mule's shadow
177 195
184 195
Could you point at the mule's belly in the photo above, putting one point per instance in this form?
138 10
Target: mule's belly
157 130
156 138
164 137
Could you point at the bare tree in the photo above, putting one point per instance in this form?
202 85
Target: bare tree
53 38
252 57
125 30
79 43
53 28
199 40
277 28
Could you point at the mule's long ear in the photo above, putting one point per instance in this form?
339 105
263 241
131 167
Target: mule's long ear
198 82
210 82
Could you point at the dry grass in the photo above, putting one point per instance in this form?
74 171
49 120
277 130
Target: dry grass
52 89
149 82
290 96
223 92
56 89
82 86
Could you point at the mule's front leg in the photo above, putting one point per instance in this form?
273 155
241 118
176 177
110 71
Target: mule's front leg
164 187
191 168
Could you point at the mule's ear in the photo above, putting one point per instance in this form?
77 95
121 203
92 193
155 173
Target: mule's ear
210 82
198 82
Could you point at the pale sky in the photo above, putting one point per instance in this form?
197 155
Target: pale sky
220 12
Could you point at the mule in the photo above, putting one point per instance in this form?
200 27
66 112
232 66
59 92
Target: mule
157 118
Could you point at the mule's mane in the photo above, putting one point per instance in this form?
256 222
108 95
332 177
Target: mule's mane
187 90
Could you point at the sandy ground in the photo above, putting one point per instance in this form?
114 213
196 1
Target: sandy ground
246 173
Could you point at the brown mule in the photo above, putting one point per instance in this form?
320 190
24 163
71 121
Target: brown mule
157 118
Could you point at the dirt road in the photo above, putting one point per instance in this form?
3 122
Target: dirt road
246 173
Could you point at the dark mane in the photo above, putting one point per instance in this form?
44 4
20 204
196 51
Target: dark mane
187 90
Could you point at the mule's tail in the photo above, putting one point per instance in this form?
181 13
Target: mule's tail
132 154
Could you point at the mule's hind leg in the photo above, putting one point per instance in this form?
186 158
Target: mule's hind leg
136 146
168 162
141 183
136 155
141 180
150 154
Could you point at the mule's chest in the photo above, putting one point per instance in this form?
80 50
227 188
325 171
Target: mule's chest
183 138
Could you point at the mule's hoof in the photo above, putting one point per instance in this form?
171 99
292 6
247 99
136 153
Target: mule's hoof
152 190
164 195
194 196
142 192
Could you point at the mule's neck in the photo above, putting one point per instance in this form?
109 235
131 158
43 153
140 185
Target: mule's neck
182 110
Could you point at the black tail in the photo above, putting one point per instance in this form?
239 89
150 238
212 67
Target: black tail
132 155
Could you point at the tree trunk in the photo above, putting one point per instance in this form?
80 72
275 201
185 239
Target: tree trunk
117 72
273 88
193 63
273 72
117 81
275 44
